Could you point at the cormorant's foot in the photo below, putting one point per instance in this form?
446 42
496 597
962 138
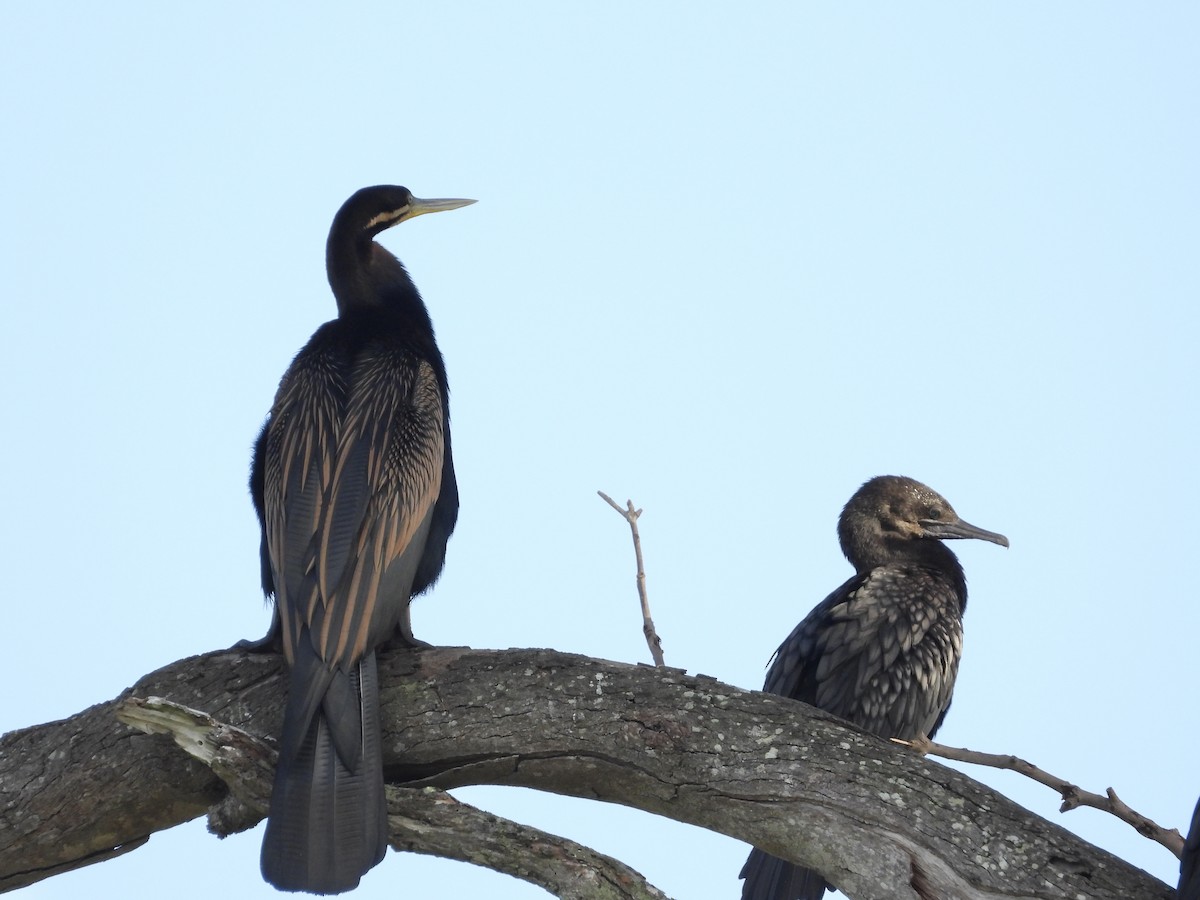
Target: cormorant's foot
920 745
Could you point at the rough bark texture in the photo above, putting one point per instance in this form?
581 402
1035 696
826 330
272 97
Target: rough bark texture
423 820
876 819
435 823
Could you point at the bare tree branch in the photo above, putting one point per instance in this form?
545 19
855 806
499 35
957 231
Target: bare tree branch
427 820
870 816
432 821
631 515
1073 796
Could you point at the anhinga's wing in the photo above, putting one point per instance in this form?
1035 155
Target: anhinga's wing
353 468
372 531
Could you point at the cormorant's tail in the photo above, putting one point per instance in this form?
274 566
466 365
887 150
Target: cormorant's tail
328 820
770 878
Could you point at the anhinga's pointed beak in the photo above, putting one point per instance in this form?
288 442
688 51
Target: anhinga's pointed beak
419 207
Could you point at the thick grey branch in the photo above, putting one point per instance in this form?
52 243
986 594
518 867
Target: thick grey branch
422 820
874 817
431 821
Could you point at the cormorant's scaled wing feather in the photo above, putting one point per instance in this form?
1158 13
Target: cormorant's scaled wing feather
793 669
839 657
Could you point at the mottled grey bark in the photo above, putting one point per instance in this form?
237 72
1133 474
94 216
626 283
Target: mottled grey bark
875 818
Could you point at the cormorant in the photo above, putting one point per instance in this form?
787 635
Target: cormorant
882 650
353 482
1189 866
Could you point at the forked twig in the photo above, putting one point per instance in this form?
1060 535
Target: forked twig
1073 796
630 515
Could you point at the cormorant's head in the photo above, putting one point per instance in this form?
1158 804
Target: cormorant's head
890 511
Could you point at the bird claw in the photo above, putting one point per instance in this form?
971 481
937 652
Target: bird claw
271 642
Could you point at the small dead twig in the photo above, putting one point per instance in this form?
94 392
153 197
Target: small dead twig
630 515
1073 796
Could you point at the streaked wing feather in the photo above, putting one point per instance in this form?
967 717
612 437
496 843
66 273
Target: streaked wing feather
353 469
301 438
384 486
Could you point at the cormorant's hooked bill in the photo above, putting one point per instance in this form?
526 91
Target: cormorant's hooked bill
882 650
353 482
948 531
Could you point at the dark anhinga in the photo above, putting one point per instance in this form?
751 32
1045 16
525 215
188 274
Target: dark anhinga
354 486
882 650
1189 866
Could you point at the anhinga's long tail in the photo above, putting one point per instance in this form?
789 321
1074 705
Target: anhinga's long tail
328 821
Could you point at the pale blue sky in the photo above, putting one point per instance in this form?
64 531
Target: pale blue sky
728 262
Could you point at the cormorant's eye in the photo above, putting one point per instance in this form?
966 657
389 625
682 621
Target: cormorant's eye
933 513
